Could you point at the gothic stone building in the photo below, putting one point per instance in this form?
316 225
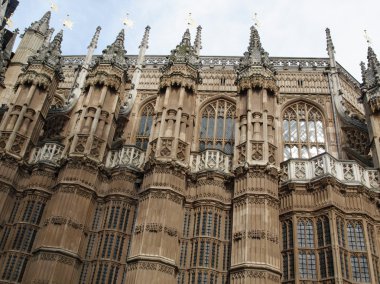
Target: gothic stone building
186 168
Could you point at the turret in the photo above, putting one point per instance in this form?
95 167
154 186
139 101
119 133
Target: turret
256 161
34 92
371 101
32 40
100 105
170 139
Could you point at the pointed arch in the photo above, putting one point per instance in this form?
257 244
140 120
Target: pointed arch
145 124
303 129
216 129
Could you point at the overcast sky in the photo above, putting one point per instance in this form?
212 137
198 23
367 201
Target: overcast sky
294 28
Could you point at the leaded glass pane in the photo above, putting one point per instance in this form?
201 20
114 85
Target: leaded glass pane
303 135
313 151
304 152
203 127
287 154
210 128
320 134
312 137
294 152
293 131
285 126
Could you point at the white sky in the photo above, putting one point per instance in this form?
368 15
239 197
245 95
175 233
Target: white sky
294 28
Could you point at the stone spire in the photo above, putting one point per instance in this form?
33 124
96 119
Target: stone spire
128 104
115 53
80 79
143 46
371 75
256 55
145 39
49 34
198 40
42 25
95 38
184 52
330 49
186 38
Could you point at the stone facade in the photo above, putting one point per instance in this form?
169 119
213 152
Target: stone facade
186 168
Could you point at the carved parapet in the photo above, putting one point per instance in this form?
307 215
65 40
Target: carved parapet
128 156
50 153
211 160
347 172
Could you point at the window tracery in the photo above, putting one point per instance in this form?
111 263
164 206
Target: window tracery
145 125
217 126
303 131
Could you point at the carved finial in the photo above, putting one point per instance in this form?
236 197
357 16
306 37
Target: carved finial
56 43
50 55
42 25
255 56
367 38
49 34
119 42
363 69
254 41
198 40
330 49
145 39
95 38
116 51
329 40
186 40
373 64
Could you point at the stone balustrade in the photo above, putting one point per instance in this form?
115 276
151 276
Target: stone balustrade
348 172
214 160
128 156
50 153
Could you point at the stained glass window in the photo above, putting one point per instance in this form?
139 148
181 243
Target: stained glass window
303 131
217 126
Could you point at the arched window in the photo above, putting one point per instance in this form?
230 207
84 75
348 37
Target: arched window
145 125
303 131
305 234
355 237
217 126
323 231
307 265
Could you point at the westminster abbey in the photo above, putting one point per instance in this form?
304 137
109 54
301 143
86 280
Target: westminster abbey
185 168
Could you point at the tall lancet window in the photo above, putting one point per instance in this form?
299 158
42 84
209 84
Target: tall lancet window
217 126
303 131
145 125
